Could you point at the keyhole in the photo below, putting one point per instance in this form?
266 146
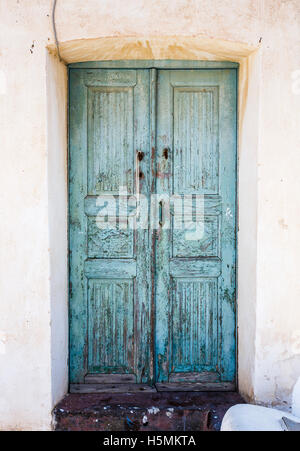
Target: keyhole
140 155
165 153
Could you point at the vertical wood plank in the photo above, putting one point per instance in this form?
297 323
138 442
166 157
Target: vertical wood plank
164 186
151 231
77 227
143 351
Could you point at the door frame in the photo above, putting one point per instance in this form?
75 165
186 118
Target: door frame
166 65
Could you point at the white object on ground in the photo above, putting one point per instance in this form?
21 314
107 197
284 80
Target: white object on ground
247 417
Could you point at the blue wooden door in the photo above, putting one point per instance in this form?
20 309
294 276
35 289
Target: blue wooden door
152 175
110 279
195 249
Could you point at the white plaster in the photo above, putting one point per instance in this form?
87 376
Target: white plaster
58 223
296 400
3 83
2 343
33 286
296 82
249 129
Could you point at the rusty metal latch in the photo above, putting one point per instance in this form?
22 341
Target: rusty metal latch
140 155
161 213
166 153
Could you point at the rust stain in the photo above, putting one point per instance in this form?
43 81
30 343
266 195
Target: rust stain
282 224
163 175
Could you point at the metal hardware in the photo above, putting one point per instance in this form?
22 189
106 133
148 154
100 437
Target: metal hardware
161 213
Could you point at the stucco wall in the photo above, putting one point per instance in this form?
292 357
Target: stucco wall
33 258
278 245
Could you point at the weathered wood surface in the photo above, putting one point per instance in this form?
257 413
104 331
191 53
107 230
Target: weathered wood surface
110 379
111 388
205 377
195 277
197 386
110 279
110 268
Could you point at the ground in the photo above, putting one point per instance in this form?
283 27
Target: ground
144 411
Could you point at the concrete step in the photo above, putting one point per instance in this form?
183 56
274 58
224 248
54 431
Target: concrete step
176 411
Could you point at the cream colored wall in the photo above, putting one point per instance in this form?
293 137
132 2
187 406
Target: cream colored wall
25 398
57 91
33 262
278 281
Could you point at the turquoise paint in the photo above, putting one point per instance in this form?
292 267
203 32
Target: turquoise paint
110 274
150 302
195 281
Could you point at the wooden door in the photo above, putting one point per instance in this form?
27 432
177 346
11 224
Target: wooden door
195 249
110 280
152 177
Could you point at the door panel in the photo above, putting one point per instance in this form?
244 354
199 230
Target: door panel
110 139
110 320
195 257
195 116
109 262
